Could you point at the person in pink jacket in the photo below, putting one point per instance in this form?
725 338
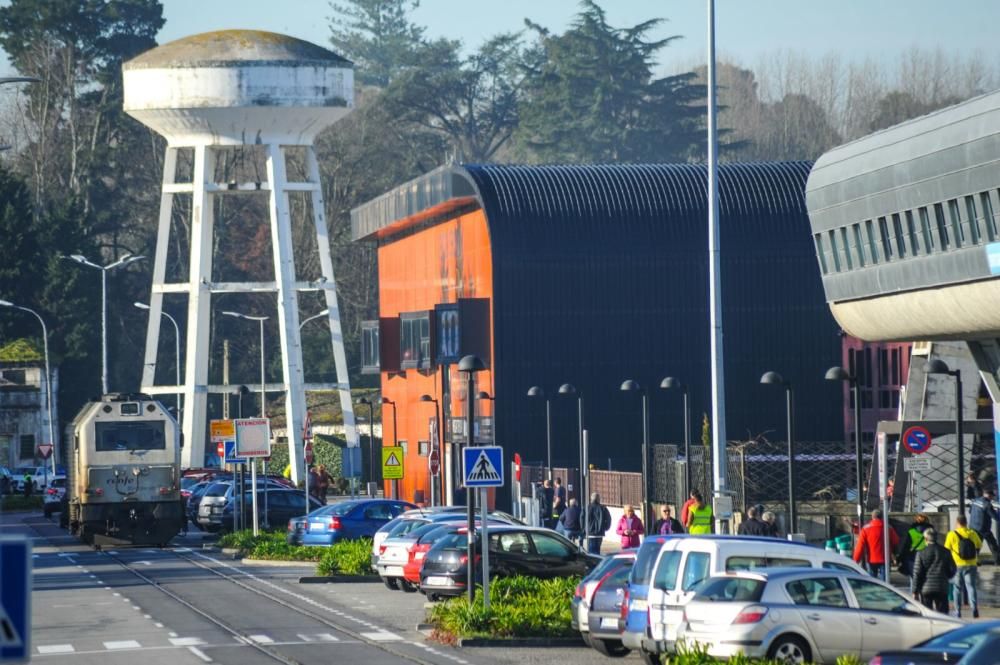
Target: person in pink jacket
629 528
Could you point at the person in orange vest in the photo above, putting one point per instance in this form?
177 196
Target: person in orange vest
871 545
687 505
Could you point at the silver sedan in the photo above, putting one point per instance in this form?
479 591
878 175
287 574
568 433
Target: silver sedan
804 615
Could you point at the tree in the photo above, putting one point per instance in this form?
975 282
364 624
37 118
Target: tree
897 107
591 97
378 36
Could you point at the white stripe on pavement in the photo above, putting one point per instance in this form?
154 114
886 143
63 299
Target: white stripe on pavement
261 639
56 648
382 636
187 641
123 644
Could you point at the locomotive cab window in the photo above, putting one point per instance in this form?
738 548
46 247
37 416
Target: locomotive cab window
117 437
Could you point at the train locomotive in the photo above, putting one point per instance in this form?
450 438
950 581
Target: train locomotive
124 473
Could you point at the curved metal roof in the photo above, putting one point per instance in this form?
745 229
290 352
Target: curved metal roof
231 47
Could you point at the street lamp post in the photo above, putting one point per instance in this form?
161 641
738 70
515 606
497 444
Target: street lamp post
773 378
470 365
371 442
440 443
481 395
670 383
631 386
841 374
48 375
938 366
319 315
177 352
569 389
395 438
123 261
539 392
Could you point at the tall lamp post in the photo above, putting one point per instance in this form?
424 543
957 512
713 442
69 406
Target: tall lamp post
470 365
938 366
630 386
371 442
440 444
48 375
569 390
177 352
670 383
841 374
773 378
483 395
538 392
319 315
123 261
395 438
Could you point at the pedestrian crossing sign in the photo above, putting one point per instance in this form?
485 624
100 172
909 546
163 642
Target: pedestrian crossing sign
15 600
482 466
392 463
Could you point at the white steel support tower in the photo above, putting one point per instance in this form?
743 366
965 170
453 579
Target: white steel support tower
210 93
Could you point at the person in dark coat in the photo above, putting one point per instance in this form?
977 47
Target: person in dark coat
559 499
933 569
982 515
597 524
569 522
667 525
910 544
546 496
753 525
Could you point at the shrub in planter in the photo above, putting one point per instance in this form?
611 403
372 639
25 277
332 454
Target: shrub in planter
348 557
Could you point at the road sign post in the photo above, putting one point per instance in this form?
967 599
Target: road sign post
917 439
253 439
392 465
883 488
486 552
434 468
45 451
15 599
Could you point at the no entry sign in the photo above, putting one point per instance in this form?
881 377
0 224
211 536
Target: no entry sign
917 439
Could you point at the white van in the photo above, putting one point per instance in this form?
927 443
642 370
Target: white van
684 562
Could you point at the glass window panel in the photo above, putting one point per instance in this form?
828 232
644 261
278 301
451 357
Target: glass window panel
875 597
883 229
975 235
957 232
942 225
695 569
859 246
833 251
819 252
822 591
897 228
847 248
666 571
925 228
911 227
989 221
873 248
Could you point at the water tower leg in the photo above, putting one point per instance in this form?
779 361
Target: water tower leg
159 270
336 332
288 306
199 311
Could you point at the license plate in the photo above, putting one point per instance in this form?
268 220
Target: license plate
438 581
216 510
638 605
609 622
393 571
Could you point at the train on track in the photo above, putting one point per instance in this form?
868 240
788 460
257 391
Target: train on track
124 473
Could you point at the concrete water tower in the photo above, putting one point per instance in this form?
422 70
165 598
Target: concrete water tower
216 92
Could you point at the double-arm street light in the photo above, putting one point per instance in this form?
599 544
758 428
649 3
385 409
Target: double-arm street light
260 320
630 386
395 437
538 392
48 374
938 366
177 352
773 378
670 383
841 374
470 365
314 317
371 440
123 261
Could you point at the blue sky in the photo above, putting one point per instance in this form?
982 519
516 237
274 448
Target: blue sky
746 29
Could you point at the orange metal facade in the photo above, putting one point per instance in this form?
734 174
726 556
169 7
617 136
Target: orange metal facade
439 264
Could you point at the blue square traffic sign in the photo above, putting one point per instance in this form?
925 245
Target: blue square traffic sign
482 466
15 599
231 456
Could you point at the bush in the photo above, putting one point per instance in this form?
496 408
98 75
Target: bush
21 502
269 545
347 557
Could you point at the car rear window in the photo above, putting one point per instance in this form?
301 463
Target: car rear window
218 489
730 589
452 540
58 482
666 571
424 529
607 564
645 558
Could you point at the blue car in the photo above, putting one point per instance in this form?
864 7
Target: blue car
635 609
345 520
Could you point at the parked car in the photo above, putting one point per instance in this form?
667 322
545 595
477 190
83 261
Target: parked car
194 500
514 550
944 648
53 495
597 603
984 653
344 520
805 615
282 505
7 484
18 474
634 620
220 493
681 563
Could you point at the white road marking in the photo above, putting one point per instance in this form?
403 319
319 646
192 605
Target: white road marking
173 635
158 625
304 638
186 641
327 637
182 549
137 608
147 616
115 593
261 639
382 636
145 563
201 654
122 644
56 648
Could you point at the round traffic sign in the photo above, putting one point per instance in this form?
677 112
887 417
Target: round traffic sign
308 452
221 449
434 462
917 439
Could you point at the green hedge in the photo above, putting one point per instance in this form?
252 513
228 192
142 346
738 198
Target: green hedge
519 607
698 655
348 557
21 502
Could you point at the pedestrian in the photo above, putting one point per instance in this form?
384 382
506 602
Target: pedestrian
597 524
545 496
558 499
629 528
933 568
910 545
871 545
569 522
964 544
752 526
28 484
699 518
982 515
323 483
313 482
686 507
973 490
771 520
667 525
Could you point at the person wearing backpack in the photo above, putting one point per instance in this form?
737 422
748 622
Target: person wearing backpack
982 515
933 569
964 544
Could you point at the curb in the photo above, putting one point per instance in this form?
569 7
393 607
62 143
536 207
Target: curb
339 579
278 564
527 642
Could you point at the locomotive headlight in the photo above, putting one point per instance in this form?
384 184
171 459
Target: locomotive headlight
129 408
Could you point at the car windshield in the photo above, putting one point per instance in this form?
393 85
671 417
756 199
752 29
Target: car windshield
730 589
218 489
963 638
644 560
453 540
338 509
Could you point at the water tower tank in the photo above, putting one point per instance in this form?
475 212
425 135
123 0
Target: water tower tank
205 94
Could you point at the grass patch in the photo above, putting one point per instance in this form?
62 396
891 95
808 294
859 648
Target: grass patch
697 654
519 607
269 545
21 502
347 557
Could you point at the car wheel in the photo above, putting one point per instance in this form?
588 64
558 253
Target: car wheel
407 586
433 597
790 649
391 583
647 658
615 649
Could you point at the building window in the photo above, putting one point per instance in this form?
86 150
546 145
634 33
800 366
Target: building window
970 211
833 251
942 226
870 228
957 233
847 247
14 376
819 252
925 227
415 340
859 246
911 227
883 229
423 448
988 220
27 446
897 227
370 347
